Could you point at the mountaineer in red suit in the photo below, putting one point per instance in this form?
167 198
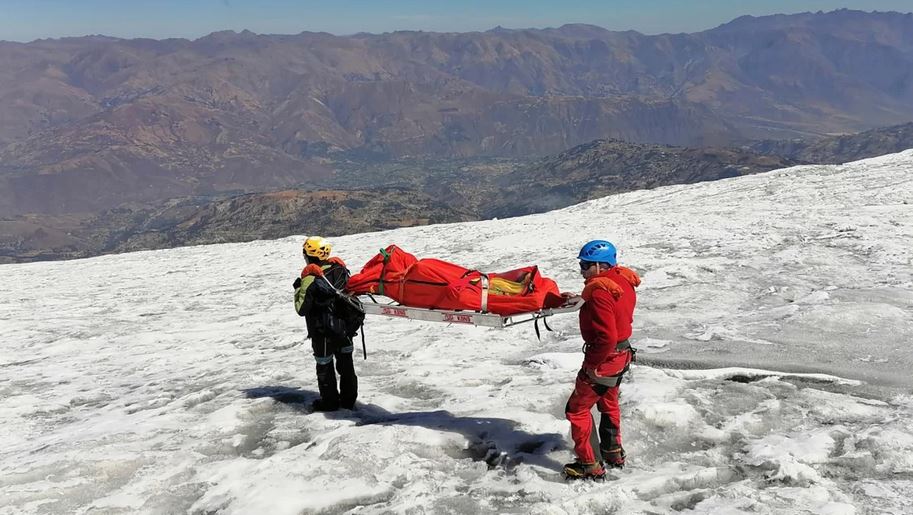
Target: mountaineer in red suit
605 325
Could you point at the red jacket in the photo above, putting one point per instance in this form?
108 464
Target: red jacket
606 317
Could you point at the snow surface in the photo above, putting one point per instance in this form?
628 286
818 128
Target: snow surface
177 381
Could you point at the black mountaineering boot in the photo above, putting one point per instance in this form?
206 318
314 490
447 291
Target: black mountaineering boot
322 405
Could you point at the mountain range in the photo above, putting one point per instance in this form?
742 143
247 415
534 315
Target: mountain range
91 123
403 193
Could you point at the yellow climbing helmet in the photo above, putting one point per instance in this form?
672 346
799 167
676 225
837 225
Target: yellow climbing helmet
317 247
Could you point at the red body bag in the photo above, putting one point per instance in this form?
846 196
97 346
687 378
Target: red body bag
436 284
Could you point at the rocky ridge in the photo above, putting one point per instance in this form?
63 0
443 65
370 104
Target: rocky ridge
90 123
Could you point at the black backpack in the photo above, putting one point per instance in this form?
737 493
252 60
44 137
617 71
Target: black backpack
345 318
343 315
347 314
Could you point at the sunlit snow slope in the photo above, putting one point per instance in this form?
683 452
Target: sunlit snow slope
177 381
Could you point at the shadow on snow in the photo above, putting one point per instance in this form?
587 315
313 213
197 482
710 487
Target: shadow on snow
496 441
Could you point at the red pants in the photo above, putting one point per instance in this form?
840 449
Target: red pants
587 444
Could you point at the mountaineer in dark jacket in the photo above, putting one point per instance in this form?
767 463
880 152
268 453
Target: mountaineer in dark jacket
316 293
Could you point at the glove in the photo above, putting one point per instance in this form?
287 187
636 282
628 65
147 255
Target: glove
297 283
312 269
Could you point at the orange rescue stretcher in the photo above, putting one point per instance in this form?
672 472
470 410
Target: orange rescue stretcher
437 291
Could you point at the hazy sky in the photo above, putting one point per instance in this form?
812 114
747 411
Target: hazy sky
25 20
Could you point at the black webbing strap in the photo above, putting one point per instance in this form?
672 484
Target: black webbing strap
613 381
536 325
610 381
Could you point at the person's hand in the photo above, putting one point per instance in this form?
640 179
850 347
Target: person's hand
297 283
312 269
583 375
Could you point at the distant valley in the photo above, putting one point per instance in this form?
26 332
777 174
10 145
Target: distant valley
109 144
371 196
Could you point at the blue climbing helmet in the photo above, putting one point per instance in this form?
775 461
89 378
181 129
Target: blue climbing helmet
599 251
